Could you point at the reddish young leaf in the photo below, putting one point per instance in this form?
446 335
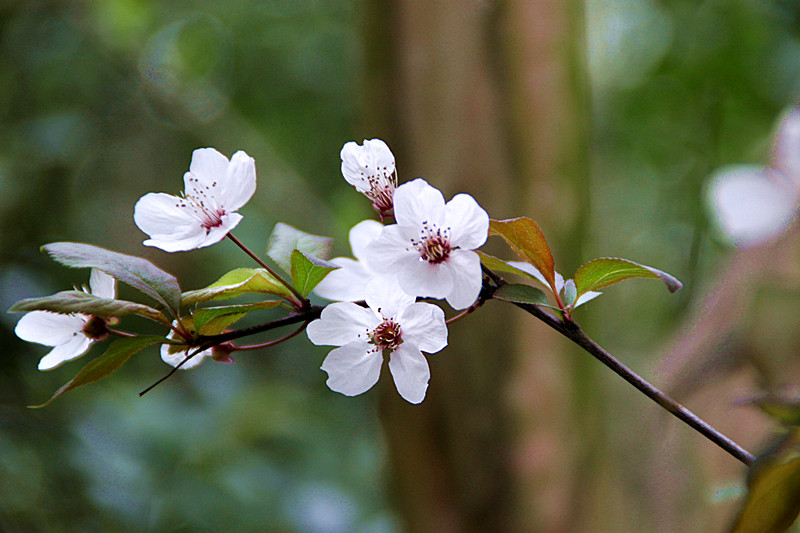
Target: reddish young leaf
527 240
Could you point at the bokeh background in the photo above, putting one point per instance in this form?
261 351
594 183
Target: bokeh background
601 120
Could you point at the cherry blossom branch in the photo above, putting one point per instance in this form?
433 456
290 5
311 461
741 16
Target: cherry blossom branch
302 302
204 342
271 343
573 332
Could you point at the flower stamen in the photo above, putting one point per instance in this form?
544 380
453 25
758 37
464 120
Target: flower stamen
434 244
387 336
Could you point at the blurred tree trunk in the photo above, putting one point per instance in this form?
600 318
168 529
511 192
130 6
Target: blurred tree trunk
487 98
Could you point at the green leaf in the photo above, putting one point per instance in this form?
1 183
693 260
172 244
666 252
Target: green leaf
527 240
523 294
213 320
66 302
773 489
236 283
285 239
606 271
115 356
135 271
308 271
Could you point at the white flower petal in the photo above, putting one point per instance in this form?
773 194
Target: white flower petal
468 222
50 329
170 227
239 182
585 297
353 368
363 165
158 213
384 296
410 371
393 245
341 323
207 167
465 268
424 279
533 271
72 349
345 284
174 359
416 204
102 285
362 235
530 269
748 206
423 325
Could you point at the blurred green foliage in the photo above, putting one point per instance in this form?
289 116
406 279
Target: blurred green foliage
100 103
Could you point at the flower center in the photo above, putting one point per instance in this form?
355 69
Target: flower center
95 328
387 336
381 189
209 217
433 244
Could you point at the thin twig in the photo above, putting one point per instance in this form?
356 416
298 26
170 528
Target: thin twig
274 342
302 301
204 342
573 332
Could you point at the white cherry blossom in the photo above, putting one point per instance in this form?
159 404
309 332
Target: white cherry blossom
175 358
533 271
371 170
752 205
70 335
204 214
347 284
431 245
393 325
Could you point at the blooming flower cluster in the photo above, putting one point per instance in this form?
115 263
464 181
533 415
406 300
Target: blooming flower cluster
428 253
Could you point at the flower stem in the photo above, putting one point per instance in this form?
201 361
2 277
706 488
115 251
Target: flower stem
573 332
301 302
271 343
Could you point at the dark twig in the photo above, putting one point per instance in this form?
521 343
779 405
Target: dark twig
204 342
573 332
300 302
